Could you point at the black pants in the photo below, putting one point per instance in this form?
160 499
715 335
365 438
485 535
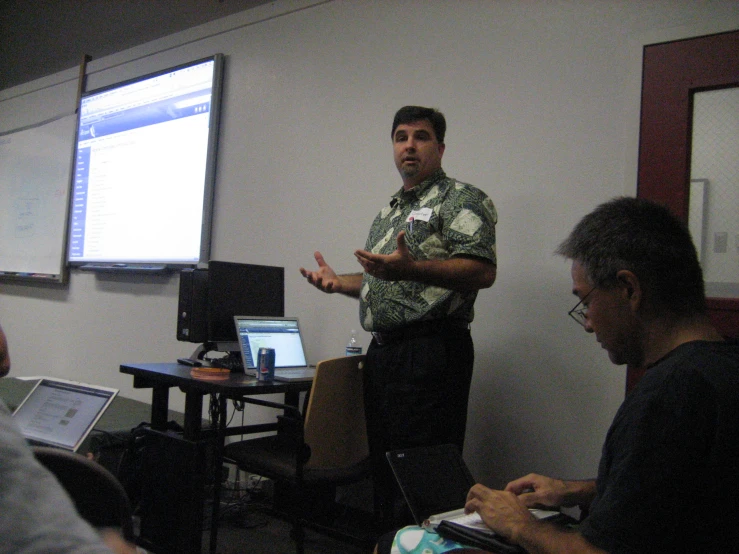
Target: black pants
416 391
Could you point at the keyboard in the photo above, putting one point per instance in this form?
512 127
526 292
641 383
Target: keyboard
293 372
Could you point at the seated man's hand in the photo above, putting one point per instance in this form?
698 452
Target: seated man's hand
537 491
502 511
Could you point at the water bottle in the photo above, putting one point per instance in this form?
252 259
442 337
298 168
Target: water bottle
352 347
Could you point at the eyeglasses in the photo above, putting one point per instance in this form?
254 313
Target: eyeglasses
580 313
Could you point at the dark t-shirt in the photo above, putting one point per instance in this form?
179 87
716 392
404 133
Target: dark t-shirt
668 479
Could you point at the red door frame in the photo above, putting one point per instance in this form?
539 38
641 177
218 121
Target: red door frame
672 73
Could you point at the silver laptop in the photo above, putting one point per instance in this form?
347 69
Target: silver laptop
280 333
62 413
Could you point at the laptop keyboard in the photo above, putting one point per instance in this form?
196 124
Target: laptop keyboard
290 372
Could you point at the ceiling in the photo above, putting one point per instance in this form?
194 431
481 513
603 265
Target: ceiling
42 37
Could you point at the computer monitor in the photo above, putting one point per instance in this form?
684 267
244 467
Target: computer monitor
242 289
210 298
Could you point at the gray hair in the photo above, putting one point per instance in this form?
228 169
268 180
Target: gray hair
647 239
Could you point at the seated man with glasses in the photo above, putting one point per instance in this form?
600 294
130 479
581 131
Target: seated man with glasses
668 479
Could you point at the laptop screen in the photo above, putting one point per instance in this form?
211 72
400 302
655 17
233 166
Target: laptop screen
433 479
61 413
280 333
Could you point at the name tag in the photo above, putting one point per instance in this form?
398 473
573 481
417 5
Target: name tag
424 214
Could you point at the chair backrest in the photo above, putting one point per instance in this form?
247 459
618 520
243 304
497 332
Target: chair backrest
335 428
99 497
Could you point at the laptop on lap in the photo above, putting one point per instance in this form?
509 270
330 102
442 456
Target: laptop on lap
435 481
61 413
280 333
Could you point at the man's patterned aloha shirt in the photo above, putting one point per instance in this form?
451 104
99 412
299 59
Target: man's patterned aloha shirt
450 218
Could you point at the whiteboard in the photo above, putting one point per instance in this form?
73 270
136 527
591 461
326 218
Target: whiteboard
35 166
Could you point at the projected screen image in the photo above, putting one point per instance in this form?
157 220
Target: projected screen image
144 168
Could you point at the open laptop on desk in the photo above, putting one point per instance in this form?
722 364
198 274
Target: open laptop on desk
280 333
62 413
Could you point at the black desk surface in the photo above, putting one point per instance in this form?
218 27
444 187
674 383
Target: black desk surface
164 376
177 375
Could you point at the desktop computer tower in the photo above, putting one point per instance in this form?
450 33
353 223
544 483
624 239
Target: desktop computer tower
192 309
173 475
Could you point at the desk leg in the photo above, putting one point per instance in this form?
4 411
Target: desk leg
159 407
292 398
220 443
193 414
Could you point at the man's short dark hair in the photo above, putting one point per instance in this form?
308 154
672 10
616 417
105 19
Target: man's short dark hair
647 239
411 114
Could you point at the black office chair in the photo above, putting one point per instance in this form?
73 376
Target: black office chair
326 448
99 497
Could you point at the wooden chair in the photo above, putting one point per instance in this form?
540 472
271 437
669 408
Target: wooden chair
326 447
99 497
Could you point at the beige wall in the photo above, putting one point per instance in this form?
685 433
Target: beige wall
542 101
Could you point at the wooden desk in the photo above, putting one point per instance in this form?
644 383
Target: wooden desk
174 521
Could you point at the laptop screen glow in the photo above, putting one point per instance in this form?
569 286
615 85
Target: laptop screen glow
61 413
282 334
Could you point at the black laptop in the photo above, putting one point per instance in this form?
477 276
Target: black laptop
435 481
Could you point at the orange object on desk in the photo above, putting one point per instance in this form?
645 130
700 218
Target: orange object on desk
210 373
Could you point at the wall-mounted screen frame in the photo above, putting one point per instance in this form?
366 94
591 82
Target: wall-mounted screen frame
144 170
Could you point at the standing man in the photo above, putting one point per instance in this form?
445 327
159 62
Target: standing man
428 253
668 479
